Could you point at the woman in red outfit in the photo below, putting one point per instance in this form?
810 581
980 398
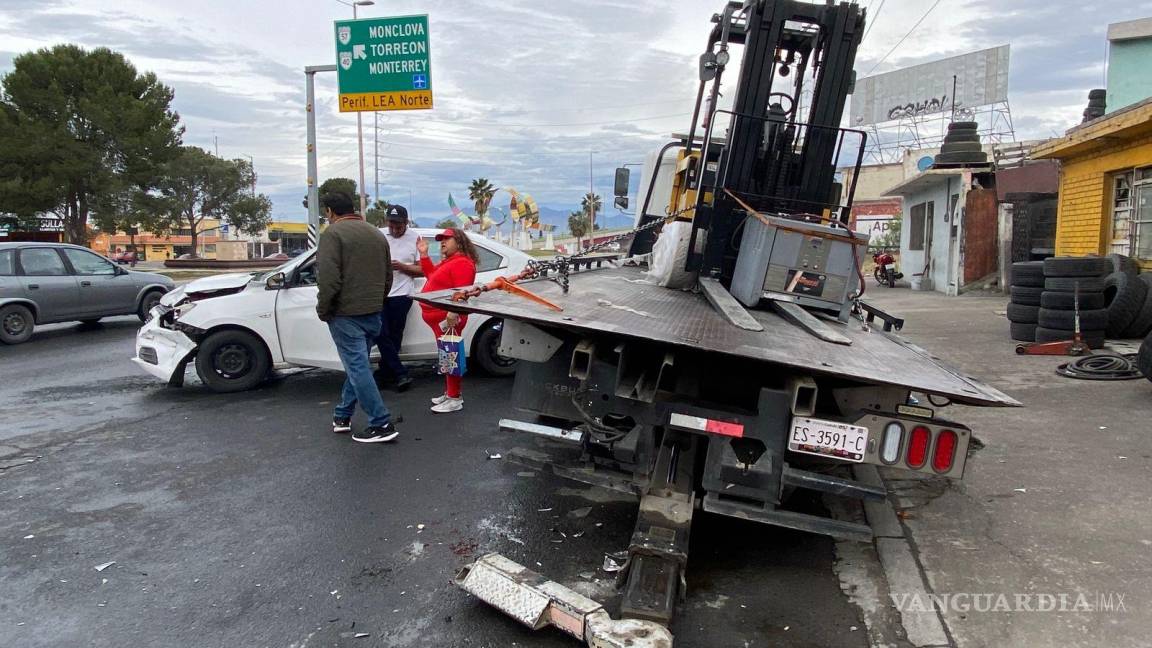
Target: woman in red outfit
457 269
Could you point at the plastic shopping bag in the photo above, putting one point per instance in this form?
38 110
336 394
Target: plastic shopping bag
452 360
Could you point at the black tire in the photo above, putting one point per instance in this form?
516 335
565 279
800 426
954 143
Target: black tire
1142 325
1121 263
961 147
1144 358
1094 339
878 276
16 324
1098 93
1028 273
1026 295
961 158
150 299
1022 332
1023 314
1068 284
486 351
1065 300
1077 266
963 125
963 136
1124 296
232 361
1090 320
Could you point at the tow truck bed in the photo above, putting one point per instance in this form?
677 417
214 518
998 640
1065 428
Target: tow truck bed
621 301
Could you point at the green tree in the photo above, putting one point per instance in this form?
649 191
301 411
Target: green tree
447 223
198 185
377 214
346 185
78 126
891 238
578 225
126 210
481 192
590 199
251 214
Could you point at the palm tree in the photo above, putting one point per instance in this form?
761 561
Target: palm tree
481 192
578 225
377 214
590 198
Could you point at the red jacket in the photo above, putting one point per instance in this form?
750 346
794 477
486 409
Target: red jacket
457 271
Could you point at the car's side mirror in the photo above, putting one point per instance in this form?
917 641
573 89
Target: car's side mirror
275 282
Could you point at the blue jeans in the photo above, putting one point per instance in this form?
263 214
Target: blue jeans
354 337
395 316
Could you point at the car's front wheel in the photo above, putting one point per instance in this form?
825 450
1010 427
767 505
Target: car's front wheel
486 351
16 324
148 303
232 361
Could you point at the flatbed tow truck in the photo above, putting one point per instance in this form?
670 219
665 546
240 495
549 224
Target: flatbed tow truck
765 374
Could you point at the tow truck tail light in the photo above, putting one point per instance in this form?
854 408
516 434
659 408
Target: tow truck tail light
945 451
893 436
918 446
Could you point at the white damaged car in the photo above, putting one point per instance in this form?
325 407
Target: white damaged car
239 327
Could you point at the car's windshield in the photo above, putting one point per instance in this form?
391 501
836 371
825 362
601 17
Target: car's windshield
286 267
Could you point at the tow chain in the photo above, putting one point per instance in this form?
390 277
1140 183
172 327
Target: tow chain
562 265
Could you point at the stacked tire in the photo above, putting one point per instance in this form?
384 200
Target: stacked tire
1024 308
1128 297
1067 279
962 145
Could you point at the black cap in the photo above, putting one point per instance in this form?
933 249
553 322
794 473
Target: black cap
397 213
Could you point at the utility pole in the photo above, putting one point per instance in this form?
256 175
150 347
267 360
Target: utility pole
360 125
313 182
376 151
591 202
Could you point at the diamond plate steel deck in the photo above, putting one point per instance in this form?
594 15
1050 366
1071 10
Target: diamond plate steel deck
621 301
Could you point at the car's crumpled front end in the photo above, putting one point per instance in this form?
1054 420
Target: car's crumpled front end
165 344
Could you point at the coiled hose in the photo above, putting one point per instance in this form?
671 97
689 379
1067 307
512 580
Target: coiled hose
1102 366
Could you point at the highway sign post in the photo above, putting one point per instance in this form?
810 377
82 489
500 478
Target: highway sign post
383 64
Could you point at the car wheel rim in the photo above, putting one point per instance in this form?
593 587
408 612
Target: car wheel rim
232 361
14 324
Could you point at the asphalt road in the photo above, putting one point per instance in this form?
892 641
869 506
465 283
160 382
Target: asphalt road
241 520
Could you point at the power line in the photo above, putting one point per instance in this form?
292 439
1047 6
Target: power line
875 19
902 39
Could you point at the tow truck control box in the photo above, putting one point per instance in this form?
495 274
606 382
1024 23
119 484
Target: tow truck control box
810 264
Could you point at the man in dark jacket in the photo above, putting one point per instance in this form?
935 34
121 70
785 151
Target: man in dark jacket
354 275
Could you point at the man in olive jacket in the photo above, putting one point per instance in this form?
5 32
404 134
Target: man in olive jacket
354 275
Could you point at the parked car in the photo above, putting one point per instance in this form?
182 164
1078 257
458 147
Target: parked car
125 257
238 327
277 256
44 283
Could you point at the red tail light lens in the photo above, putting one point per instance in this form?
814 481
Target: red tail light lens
918 446
945 451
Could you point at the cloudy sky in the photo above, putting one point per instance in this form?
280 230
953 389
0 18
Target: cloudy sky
524 90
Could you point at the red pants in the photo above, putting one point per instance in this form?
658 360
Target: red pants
433 320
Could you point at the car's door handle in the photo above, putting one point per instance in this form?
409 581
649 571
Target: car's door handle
85 283
33 286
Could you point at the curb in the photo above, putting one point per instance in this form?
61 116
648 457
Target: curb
901 567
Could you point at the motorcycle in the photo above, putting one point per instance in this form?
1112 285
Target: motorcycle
885 272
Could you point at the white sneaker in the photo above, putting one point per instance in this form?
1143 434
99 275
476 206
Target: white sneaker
449 405
440 399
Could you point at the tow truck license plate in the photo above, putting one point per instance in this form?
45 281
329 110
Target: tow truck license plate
828 439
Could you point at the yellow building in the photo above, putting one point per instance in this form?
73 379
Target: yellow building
1105 203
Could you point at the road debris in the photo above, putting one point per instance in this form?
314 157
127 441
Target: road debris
29 537
580 512
543 510
106 565
1020 490
614 562
493 456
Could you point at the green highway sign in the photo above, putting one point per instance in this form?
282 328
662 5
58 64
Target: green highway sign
383 64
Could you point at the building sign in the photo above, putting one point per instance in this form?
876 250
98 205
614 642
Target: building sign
981 79
383 64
